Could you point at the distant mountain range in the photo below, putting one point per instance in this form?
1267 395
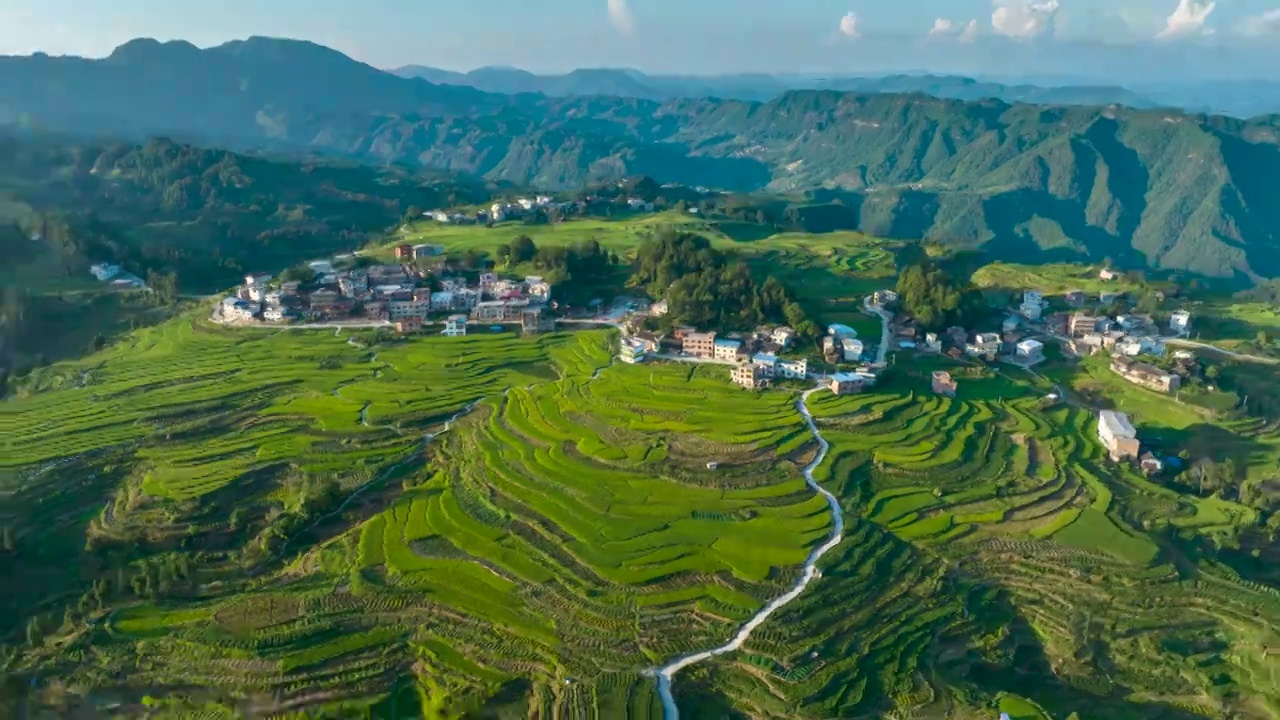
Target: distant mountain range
1155 187
762 88
1242 98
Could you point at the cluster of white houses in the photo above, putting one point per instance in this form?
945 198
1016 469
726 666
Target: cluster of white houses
501 211
399 294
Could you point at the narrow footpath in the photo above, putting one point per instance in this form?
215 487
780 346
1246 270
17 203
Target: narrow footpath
666 674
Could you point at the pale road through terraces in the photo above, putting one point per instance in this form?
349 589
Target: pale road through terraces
666 674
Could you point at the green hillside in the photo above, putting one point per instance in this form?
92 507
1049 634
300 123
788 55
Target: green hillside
220 522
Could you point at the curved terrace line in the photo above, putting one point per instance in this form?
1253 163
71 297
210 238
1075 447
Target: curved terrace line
666 674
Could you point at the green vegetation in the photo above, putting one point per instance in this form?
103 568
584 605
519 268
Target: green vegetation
208 520
935 298
706 289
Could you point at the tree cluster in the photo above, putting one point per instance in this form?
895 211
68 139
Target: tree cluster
706 288
936 299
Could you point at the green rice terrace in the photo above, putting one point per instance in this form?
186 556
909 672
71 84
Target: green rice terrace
230 523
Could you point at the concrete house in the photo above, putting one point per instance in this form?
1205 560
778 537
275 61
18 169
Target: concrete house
455 326
1135 346
1148 376
793 369
409 325
1081 324
943 384
1029 351
768 364
749 375
401 309
500 310
851 349
1107 275
1117 435
726 349
634 351
700 344
984 344
783 336
846 383
932 343
1180 322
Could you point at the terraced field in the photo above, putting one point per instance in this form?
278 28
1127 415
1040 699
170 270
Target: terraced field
994 550
217 522
564 536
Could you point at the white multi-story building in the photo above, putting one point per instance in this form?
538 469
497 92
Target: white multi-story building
783 336
852 349
793 369
634 351
455 326
1180 322
726 349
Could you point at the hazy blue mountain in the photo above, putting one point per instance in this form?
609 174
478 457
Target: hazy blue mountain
632 83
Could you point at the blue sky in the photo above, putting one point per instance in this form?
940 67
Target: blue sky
690 36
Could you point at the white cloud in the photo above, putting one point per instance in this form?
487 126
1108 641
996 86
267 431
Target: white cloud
1021 19
620 16
964 31
849 25
1267 23
1187 19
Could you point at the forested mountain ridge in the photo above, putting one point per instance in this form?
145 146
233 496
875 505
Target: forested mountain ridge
1156 188
206 215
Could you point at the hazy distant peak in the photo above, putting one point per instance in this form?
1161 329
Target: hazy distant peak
150 49
271 48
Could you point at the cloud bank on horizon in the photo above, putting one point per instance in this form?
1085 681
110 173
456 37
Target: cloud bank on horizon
1027 20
